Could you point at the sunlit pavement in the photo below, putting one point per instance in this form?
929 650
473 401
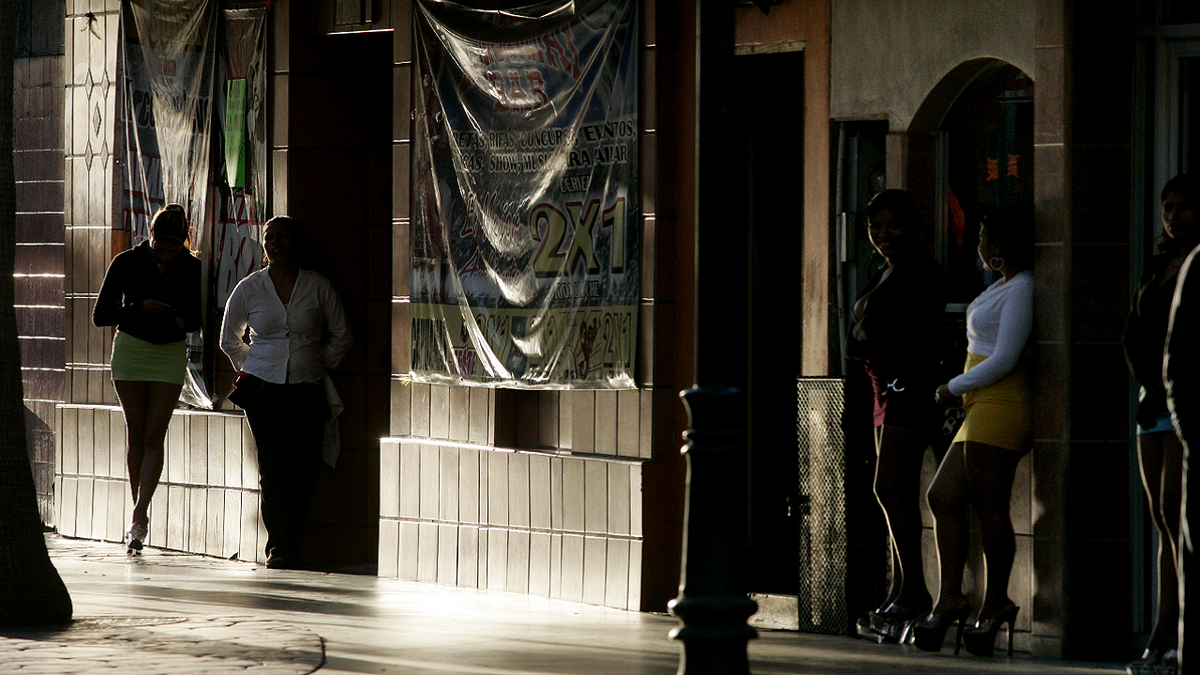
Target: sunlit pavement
173 613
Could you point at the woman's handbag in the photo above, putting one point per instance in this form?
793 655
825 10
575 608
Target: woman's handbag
247 391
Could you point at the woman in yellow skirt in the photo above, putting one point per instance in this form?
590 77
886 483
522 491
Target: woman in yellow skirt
151 293
978 470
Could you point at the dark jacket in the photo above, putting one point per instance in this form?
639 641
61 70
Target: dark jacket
899 330
1146 333
1181 363
133 278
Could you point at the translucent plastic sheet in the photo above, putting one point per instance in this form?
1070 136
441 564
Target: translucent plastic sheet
526 215
170 59
237 236
169 64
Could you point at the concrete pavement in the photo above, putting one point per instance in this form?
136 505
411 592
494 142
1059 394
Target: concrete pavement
172 613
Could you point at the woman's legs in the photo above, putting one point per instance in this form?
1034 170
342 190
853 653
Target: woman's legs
901 452
1160 457
989 472
147 407
949 500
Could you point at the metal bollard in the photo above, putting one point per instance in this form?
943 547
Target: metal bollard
713 605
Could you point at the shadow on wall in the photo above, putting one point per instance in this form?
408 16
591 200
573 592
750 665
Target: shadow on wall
39 442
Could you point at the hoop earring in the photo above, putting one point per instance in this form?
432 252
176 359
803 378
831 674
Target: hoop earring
996 263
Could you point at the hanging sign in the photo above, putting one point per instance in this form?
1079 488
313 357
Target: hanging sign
526 218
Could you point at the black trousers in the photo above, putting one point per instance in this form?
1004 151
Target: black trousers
288 423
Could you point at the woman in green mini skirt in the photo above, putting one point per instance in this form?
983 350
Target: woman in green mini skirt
151 293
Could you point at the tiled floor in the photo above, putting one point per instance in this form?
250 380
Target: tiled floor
373 625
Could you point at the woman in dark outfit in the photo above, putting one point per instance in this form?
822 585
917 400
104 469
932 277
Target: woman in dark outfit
894 332
1160 453
151 293
288 311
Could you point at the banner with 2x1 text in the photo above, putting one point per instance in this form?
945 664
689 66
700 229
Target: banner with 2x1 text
526 216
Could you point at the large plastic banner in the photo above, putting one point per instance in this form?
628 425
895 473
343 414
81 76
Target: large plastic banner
237 237
170 59
170 62
525 227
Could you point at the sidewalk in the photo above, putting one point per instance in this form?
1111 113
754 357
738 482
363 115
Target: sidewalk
179 614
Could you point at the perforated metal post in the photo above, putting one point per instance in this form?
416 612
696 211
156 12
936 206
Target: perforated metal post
713 604
824 549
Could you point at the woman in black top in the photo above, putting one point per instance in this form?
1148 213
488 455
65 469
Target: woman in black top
1160 453
151 293
895 331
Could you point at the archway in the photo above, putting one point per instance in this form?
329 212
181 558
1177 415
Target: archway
971 150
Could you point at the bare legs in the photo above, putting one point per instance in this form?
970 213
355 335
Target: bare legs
1160 456
901 452
979 475
148 407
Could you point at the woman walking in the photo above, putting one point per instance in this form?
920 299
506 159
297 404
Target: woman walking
151 293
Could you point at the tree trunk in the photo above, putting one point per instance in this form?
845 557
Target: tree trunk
31 592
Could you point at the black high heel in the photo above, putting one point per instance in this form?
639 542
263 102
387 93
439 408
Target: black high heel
929 632
980 639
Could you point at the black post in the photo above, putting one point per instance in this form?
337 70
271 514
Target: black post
713 605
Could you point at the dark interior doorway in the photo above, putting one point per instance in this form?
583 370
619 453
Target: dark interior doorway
767 182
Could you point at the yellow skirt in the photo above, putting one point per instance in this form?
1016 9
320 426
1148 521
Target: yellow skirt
1000 414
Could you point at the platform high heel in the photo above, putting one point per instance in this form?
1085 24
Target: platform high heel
980 639
896 622
929 632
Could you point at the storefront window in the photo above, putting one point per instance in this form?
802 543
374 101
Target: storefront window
1181 11
1189 113
990 133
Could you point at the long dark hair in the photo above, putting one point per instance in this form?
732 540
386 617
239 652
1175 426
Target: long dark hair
1190 188
1011 227
171 222
900 203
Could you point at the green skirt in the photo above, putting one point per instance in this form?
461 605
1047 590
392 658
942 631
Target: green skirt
135 360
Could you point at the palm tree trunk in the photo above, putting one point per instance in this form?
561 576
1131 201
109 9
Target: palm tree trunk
31 591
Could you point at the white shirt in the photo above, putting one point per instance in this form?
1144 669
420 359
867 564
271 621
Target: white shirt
285 340
999 322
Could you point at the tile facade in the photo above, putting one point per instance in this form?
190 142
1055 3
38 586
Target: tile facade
196 509
208 500
39 263
551 525
525 491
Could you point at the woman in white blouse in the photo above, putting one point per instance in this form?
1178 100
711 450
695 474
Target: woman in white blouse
978 469
297 331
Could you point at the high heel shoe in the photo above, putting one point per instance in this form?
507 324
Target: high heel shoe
134 539
929 632
980 639
1153 661
895 622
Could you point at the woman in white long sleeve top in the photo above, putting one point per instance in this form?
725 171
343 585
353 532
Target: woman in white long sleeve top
978 469
289 312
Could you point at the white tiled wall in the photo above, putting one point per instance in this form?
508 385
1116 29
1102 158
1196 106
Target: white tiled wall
525 522
207 501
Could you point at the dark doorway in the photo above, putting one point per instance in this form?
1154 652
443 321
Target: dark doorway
767 182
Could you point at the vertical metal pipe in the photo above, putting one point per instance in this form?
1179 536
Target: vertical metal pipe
713 604
721 247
